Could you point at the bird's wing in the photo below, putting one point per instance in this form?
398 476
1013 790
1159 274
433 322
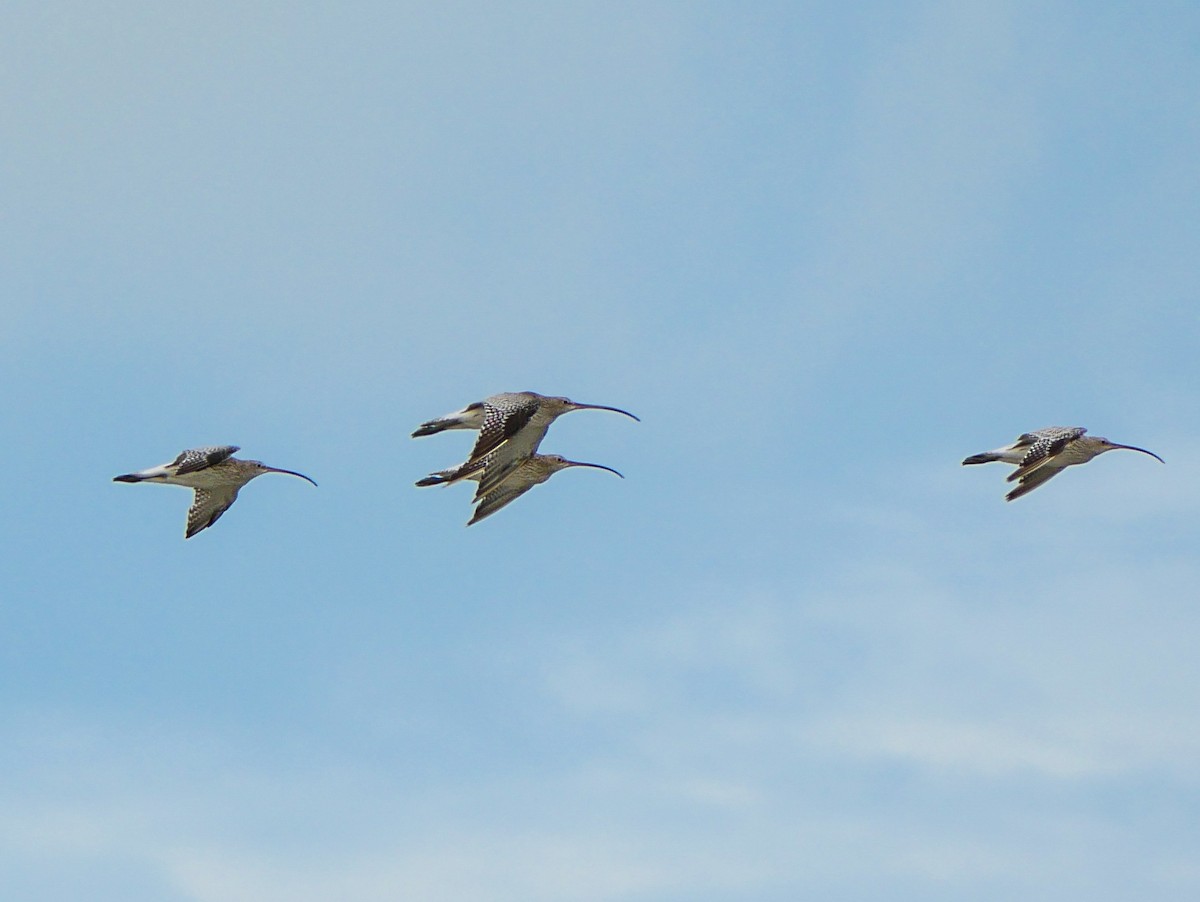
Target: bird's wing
1031 480
201 458
497 498
504 416
1044 446
505 461
207 507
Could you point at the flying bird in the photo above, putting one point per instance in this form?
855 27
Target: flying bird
215 475
1041 455
533 470
511 426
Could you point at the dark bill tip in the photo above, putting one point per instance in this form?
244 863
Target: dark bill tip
1143 450
604 407
289 473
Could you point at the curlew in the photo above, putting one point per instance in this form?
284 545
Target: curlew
1041 455
511 426
531 471
214 474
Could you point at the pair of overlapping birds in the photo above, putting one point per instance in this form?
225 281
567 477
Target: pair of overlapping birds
506 464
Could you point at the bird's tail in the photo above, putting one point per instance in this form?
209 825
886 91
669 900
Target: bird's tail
470 417
985 458
144 475
431 428
436 478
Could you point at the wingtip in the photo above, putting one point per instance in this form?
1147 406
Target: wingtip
482 512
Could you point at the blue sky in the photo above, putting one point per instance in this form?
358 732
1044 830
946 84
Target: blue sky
823 253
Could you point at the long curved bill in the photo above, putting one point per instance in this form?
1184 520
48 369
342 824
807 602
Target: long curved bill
602 407
1143 450
575 463
288 472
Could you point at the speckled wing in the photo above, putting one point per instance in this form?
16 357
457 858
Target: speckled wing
504 416
500 466
1044 446
1031 480
496 499
207 507
201 458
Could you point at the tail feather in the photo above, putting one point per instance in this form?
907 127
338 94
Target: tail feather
985 458
431 428
470 417
434 479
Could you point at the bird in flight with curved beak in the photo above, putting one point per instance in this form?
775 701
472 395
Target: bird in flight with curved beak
214 474
1041 455
533 470
511 426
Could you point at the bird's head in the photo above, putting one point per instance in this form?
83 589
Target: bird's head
566 405
556 462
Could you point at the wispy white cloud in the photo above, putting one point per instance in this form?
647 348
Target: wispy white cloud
976 749
1056 676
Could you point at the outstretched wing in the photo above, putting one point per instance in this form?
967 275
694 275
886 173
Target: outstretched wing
207 507
1031 480
1044 446
496 499
201 458
499 467
504 416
